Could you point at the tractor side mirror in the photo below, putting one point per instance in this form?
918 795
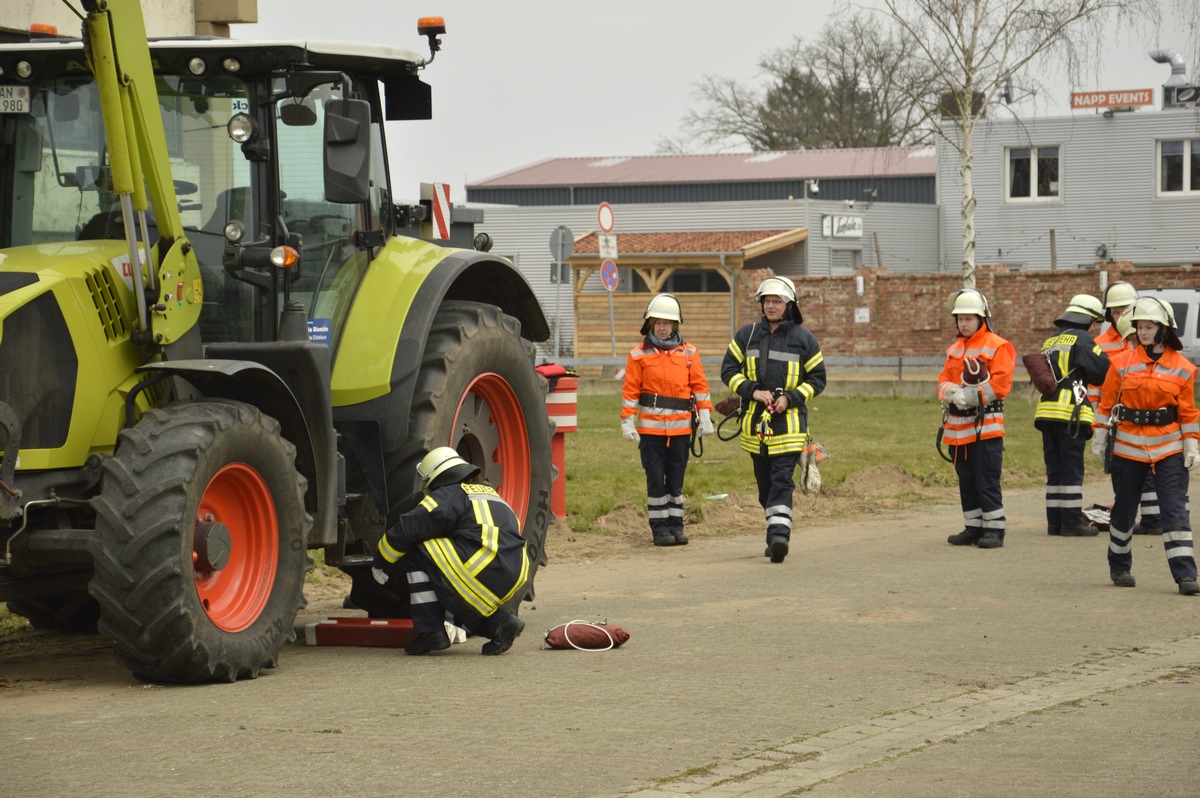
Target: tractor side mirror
347 151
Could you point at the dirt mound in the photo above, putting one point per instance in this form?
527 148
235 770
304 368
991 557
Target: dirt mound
886 480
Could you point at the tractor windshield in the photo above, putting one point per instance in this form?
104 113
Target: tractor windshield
61 186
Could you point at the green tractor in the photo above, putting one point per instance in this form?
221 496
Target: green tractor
224 342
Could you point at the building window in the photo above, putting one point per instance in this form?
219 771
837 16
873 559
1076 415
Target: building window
1032 173
1179 166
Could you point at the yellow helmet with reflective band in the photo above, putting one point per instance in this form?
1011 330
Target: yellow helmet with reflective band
1082 310
1119 295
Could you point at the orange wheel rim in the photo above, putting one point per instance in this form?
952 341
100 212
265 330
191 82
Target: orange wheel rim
234 595
503 447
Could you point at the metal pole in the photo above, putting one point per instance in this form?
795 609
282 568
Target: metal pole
612 325
1053 249
557 305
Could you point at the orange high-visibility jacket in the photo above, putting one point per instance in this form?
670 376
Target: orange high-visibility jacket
1112 344
1000 357
659 386
1138 382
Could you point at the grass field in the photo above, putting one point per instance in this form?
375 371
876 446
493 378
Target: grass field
603 469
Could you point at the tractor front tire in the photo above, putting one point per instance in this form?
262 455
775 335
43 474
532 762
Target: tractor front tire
200 552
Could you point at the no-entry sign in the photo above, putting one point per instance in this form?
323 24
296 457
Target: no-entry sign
604 216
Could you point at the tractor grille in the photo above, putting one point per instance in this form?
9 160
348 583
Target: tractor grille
104 295
38 370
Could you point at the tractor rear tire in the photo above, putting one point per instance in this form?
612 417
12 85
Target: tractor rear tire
200 552
477 391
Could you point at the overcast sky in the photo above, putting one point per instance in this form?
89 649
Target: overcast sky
518 82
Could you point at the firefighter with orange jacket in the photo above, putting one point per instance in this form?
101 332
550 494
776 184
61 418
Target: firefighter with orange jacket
1148 401
1118 298
972 386
664 385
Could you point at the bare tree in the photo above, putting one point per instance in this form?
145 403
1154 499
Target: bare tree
975 47
835 92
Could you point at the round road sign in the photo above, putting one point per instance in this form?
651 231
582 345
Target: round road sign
604 215
608 273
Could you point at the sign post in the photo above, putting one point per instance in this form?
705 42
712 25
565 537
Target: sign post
562 244
608 273
608 270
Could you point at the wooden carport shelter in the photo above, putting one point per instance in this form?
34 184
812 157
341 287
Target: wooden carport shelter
709 318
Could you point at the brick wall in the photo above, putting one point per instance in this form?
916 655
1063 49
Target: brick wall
909 315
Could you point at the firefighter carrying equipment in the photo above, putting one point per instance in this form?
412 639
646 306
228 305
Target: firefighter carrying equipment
445 463
963 423
662 306
1149 386
661 388
788 359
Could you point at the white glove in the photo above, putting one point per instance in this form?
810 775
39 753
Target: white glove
380 576
967 398
706 427
954 395
1191 453
1099 441
629 429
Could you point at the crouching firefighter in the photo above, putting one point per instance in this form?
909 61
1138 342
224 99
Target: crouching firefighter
775 365
973 421
1065 417
463 554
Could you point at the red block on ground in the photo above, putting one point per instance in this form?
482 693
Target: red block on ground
379 632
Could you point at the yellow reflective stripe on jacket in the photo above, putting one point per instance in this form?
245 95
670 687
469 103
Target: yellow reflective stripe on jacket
387 550
463 576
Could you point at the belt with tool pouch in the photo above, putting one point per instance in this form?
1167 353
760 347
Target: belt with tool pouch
665 402
1148 418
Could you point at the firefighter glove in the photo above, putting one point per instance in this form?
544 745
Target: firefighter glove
1099 441
1191 453
706 425
379 569
954 395
967 398
629 429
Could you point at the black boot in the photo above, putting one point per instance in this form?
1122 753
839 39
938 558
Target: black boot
425 642
968 537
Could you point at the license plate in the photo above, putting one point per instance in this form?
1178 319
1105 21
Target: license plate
14 99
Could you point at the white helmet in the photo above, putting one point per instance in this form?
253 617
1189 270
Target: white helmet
1082 310
446 463
785 289
776 286
662 306
1119 295
1124 326
1159 312
969 302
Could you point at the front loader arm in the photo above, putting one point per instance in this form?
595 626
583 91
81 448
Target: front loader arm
115 39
